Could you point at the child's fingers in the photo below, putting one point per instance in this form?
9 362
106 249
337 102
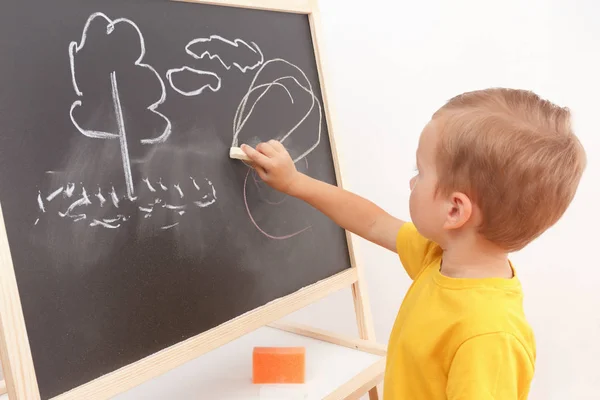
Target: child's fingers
277 146
257 157
267 149
261 172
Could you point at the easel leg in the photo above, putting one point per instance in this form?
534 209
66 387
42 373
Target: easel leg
364 319
2 381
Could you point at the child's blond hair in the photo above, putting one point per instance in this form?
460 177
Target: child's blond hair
515 155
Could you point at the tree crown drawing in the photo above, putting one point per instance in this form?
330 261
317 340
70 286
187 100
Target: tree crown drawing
96 82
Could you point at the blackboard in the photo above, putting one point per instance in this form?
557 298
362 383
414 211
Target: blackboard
130 228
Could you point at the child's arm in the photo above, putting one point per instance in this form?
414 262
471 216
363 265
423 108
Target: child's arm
350 211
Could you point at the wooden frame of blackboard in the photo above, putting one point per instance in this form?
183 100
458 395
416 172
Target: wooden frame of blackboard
17 362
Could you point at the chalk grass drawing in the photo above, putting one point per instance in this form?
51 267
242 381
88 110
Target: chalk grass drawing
121 135
202 43
242 115
205 203
70 189
109 223
55 193
191 71
83 201
75 211
100 197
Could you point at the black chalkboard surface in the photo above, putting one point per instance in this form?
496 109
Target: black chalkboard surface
130 227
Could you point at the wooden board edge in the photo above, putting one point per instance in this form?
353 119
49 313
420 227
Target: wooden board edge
362 308
157 364
290 6
330 337
366 381
314 20
323 73
2 387
17 362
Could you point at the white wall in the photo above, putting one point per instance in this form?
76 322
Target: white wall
392 63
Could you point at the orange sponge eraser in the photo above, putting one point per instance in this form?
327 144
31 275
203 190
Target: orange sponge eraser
276 365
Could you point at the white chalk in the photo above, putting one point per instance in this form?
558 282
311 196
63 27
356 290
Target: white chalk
238 154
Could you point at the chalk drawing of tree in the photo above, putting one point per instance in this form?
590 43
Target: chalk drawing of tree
96 34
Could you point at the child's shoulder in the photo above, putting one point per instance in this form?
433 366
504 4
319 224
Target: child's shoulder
496 312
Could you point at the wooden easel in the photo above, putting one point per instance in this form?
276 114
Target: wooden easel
19 371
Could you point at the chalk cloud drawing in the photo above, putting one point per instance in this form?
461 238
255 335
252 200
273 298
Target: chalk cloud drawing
213 46
74 49
194 73
257 91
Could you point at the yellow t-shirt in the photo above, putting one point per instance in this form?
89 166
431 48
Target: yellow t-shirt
456 339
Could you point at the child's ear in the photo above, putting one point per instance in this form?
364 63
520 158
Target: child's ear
459 211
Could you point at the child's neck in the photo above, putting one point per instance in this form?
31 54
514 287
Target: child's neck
475 258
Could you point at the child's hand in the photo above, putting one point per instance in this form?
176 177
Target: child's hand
273 164
350 211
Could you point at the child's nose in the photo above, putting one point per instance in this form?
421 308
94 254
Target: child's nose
412 182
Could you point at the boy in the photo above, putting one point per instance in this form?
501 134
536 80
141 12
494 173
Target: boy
495 169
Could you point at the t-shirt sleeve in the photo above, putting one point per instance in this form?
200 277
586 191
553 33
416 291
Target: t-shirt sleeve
490 367
415 250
